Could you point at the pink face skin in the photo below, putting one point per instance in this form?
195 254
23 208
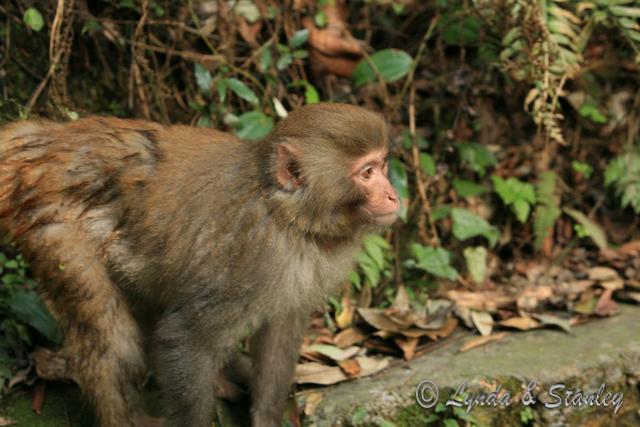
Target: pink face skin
370 173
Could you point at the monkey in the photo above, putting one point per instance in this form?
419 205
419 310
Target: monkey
214 235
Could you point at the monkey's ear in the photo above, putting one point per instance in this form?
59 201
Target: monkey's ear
288 168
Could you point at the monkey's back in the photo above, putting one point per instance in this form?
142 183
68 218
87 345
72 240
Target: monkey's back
88 181
52 173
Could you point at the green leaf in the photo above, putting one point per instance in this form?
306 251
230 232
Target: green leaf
463 31
265 59
242 90
12 263
375 253
625 11
91 26
441 211
592 112
475 156
519 195
407 141
320 19
284 61
248 10
203 122
354 278
466 225
358 416
521 208
203 79
28 308
375 247
615 171
310 94
221 87
253 125
436 261
300 54
450 422
399 179
33 19
595 232
369 268
428 164
299 38
476 260
392 65
582 168
468 188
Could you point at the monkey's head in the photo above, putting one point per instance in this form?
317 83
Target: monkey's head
327 171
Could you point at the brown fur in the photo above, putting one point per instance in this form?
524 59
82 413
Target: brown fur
119 216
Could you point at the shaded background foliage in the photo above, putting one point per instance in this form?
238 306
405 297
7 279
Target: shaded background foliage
514 122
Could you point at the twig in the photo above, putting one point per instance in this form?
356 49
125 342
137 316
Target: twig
416 60
426 205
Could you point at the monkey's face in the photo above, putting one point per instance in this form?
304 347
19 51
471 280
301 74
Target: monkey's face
369 174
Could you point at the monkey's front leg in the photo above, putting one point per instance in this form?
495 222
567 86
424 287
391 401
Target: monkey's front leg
274 352
188 358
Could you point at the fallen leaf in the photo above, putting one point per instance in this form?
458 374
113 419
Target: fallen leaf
345 318
601 273
523 323
311 402
479 341
376 318
443 332
632 283
371 365
482 321
249 31
481 300
318 373
349 337
401 301
333 49
612 284
464 314
630 248
350 367
635 296
380 346
587 304
403 319
331 351
19 377
530 298
606 306
438 312
549 319
407 345
575 287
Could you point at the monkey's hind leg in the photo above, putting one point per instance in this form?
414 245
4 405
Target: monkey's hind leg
102 346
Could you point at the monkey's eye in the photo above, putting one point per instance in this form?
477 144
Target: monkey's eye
367 172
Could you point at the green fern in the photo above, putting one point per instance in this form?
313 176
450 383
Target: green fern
623 173
547 210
